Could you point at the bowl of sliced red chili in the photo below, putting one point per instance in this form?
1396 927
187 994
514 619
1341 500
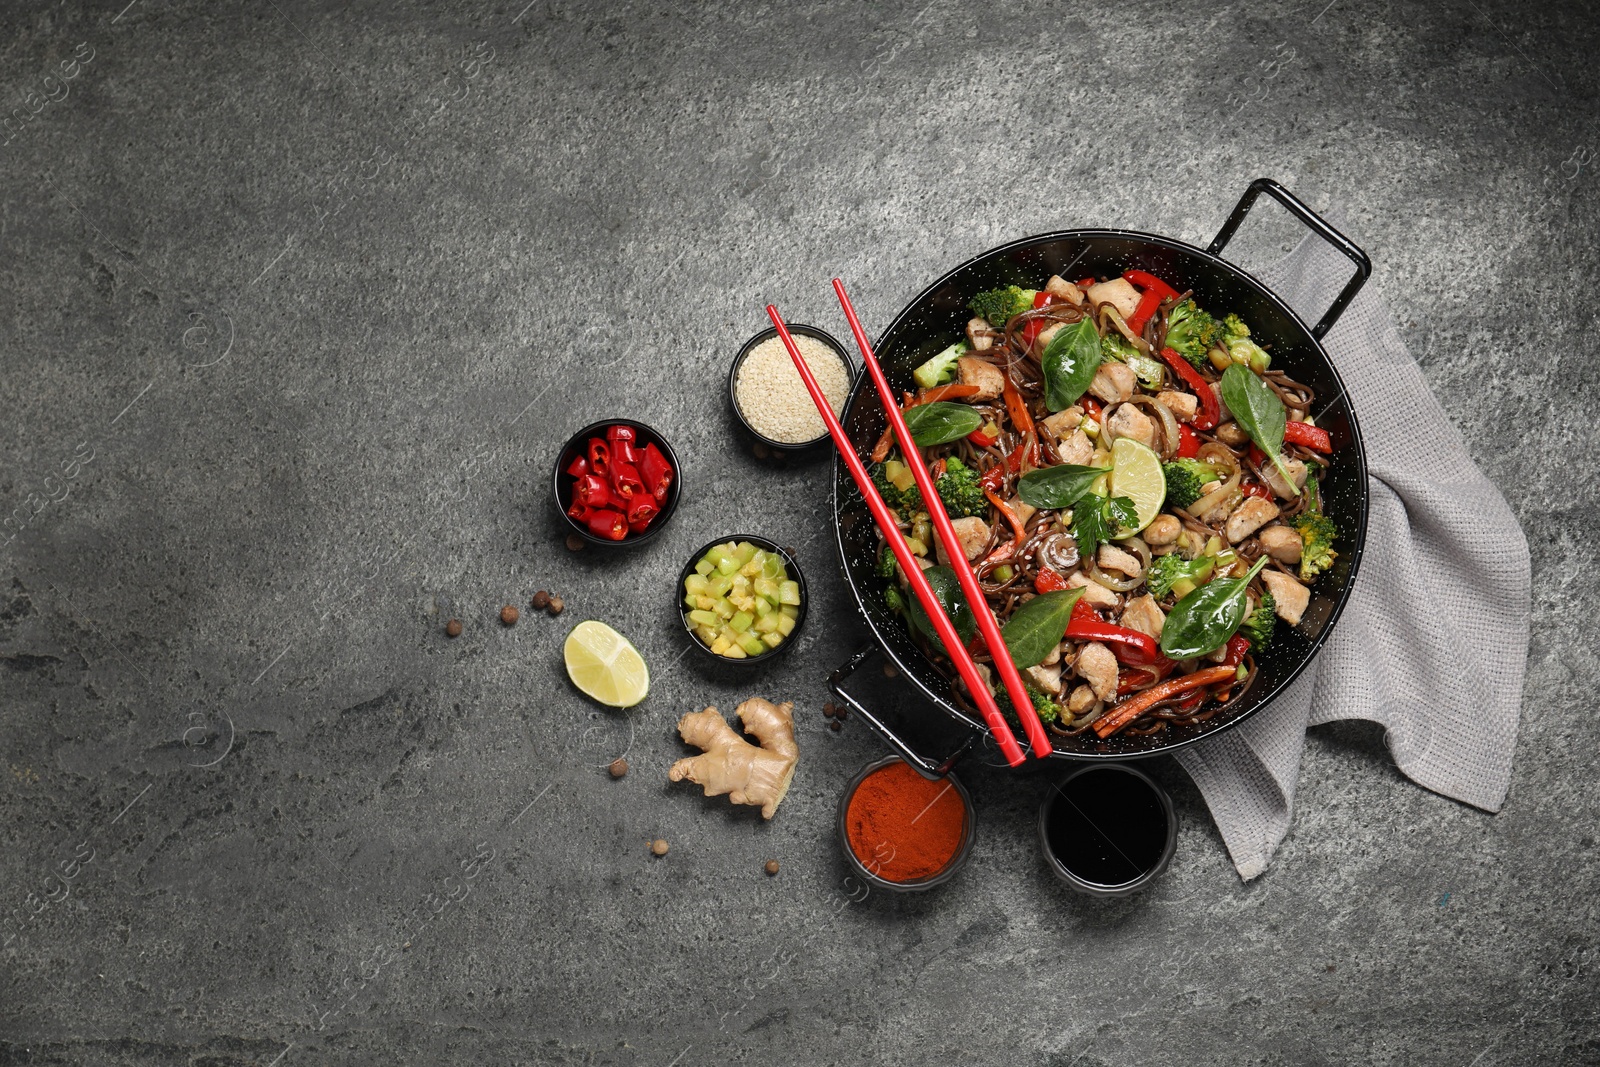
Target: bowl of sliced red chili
617 482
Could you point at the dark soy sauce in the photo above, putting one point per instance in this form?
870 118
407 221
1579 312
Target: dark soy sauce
1106 826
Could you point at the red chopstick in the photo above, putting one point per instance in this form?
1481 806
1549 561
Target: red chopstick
902 554
1020 698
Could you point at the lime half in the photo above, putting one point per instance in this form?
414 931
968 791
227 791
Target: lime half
603 664
1137 475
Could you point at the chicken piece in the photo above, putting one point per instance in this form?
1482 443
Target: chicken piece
972 532
1184 406
1288 595
1118 292
1042 340
985 375
1081 699
1129 421
1112 558
1097 666
1114 382
1217 512
1249 517
979 335
1046 678
1163 530
1094 594
1282 543
1145 615
1076 448
1058 286
1024 510
1274 477
1053 658
1064 421
1231 433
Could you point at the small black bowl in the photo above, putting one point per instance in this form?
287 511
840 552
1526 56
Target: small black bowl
744 353
795 575
578 444
1121 843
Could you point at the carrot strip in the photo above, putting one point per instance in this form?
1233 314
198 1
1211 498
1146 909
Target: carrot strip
1130 709
954 391
1018 531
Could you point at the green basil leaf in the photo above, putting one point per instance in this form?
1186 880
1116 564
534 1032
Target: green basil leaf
1069 363
1203 621
1038 626
1258 411
1096 519
948 589
1060 486
941 421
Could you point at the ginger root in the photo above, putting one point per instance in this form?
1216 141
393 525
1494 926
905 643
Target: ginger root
730 764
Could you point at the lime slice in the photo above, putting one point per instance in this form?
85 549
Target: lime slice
1136 474
603 664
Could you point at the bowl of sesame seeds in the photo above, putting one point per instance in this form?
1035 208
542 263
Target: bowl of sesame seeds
768 396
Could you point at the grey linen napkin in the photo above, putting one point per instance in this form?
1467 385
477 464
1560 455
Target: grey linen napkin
1441 544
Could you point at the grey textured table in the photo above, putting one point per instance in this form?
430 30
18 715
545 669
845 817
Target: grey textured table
299 302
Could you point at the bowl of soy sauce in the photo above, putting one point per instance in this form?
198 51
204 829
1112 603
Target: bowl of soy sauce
1108 830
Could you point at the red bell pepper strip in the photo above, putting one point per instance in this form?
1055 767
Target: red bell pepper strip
1307 436
1155 291
611 525
578 467
1129 646
1131 678
641 509
626 481
1049 581
1238 645
599 457
985 435
656 472
1256 489
1210 408
592 491
954 391
1127 711
1034 327
1188 442
1084 283
1092 408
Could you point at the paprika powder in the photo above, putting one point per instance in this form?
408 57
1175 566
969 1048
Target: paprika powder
903 827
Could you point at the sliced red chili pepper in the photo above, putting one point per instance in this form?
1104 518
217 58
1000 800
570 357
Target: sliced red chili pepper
624 452
579 511
1091 407
578 467
656 472
599 457
1188 442
1308 436
1210 408
1256 489
611 525
621 432
1048 581
626 481
982 439
592 491
641 509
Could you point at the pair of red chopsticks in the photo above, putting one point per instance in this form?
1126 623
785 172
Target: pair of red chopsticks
965 666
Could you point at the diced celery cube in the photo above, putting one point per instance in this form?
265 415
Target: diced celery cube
741 622
704 567
745 553
764 607
696 583
720 646
741 585
706 603
724 609
707 634
790 611
735 652
772 566
751 644
720 585
786 624
768 624
728 565
704 618
789 593
691 601
766 587
774 640
751 569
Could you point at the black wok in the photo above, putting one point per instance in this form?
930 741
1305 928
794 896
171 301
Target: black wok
938 316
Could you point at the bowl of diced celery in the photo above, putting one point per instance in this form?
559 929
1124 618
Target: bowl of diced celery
742 598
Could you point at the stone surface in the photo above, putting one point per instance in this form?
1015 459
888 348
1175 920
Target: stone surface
300 301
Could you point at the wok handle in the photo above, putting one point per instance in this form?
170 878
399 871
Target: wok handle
1318 225
927 766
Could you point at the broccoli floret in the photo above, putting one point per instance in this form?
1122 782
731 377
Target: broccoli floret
1047 710
896 602
960 489
1166 571
1316 536
1257 626
887 566
1191 331
905 500
1241 349
1184 479
999 306
941 368
1115 347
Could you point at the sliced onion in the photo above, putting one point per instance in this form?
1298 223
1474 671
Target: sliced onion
1116 585
1136 545
1109 313
1212 500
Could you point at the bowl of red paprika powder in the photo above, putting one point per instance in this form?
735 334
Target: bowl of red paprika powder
901 831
